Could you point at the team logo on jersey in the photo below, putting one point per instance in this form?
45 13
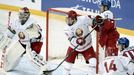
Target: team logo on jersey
79 32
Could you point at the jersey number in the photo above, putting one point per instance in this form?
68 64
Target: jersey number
112 66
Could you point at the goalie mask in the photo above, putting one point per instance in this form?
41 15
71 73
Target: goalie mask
24 15
71 18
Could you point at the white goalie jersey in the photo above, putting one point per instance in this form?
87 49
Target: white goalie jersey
30 29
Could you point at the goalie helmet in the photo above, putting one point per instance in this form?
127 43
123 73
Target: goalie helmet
24 14
71 18
123 41
106 3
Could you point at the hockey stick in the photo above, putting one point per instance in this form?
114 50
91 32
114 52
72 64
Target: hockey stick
48 71
117 19
9 15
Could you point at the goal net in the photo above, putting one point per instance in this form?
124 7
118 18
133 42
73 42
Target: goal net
56 41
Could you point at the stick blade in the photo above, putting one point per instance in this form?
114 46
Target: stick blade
48 72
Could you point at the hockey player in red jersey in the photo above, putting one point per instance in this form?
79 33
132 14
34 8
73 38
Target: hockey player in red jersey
76 29
123 44
108 34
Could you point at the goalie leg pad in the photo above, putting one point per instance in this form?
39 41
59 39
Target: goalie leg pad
13 56
36 60
4 41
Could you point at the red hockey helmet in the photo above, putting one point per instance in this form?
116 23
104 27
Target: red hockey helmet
71 17
72 14
24 10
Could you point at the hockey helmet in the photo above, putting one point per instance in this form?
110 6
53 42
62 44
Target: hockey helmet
72 14
106 3
123 41
71 17
24 10
24 13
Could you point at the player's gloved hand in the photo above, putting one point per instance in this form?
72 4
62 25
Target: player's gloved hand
13 31
98 20
80 41
21 35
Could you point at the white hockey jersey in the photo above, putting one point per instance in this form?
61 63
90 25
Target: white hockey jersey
17 26
107 14
116 65
30 29
83 23
128 52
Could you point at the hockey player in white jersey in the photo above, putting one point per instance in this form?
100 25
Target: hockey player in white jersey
116 65
125 50
104 9
76 29
122 64
21 32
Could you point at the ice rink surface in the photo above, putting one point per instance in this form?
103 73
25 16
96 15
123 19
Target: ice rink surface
25 68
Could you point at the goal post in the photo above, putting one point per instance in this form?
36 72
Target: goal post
56 41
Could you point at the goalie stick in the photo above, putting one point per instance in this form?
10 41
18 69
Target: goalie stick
9 15
49 71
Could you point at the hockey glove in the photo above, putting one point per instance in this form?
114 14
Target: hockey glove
13 31
80 41
98 20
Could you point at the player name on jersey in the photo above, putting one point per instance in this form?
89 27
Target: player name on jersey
129 52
